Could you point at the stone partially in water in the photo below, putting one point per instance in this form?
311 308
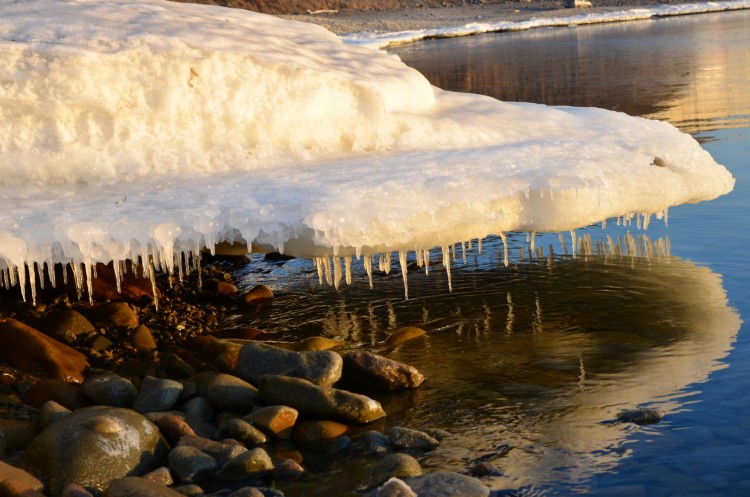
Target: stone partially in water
322 367
447 484
407 438
318 434
322 402
364 370
640 416
404 335
259 294
33 351
392 466
94 446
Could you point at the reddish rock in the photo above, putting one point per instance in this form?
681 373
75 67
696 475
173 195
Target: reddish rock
364 370
75 490
33 351
142 339
65 394
277 421
8 472
318 434
404 335
17 433
257 295
287 469
219 287
222 354
16 488
172 427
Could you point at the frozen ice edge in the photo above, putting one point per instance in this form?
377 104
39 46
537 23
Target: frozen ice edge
416 168
388 39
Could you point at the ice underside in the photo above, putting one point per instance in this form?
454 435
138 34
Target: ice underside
149 131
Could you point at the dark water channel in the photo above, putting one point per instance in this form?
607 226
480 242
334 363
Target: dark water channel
529 363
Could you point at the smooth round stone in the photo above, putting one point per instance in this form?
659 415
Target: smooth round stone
392 466
189 464
640 416
222 451
173 427
189 490
109 389
75 490
322 367
8 472
199 409
244 432
318 434
287 469
142 338
277 421
67 324
484 468
160 475
118 314
375 443
446 484
228 392
407 438
257 295
364 370
157 394
251 464
395 488
404 335
94 446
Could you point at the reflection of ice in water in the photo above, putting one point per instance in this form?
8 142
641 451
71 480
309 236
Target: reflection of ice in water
536 355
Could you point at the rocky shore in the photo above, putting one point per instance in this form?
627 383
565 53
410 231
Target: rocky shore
117 398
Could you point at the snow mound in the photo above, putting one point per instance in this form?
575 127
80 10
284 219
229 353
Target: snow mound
150 129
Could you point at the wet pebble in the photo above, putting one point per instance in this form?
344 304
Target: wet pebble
640 416
287 469
157 394
109 389
407 438
322 367
244 432
447 484
375 443
189 464
318 434
277 421
364 370
52 411
394 488
253 463
222 450
396 465
173 427
228 392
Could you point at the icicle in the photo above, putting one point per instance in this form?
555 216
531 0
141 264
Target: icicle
387 264
327 270
358 252
319 268
426 261
152 273
381 263
336 272
348 264
505 249
368 268
42 271
646 221
180 267
573 242
666 217
90 280
404 271
447 264
604 224
479 246
561 237
463 252
32 282
418 255
638 221
533 241
77 277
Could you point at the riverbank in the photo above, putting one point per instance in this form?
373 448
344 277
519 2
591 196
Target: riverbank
380 29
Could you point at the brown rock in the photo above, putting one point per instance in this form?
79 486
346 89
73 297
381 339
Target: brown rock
222 450
8 472
364 370
318 434
222 354
67 324
75 490
172 427
118 314
404 335
219 287
277 421
142 339
257 295
65 394
33 351
287 469
16 488
17 433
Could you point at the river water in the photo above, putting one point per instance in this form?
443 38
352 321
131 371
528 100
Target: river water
529 364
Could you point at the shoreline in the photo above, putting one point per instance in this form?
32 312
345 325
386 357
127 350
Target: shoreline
382 29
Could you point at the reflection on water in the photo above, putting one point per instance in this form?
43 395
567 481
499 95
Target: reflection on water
536 356
691 71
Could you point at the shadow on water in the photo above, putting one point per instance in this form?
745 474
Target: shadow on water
536 356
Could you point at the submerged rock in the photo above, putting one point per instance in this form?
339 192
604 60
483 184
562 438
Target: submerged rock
640 416
315 400
407 438
94 446
322 367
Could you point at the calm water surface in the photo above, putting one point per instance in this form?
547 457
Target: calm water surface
528 364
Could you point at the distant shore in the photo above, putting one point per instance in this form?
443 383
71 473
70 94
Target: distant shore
346 22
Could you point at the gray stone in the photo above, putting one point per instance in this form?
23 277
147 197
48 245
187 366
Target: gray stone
251 464
189 464
94 446
228 392
52 411
109 389
319 401
484 468
392 466
322 367
133 486
364 370
395 488
199 409
157 394
447 484
222 451
640 416
287 469
247 492
189 490
160 475
375 443
172 426
244 432
406 438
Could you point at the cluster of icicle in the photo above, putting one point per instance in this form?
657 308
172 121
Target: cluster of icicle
335 269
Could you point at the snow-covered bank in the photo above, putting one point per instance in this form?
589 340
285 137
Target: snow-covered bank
386 39
149 129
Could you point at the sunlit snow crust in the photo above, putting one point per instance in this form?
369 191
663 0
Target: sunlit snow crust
147 129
